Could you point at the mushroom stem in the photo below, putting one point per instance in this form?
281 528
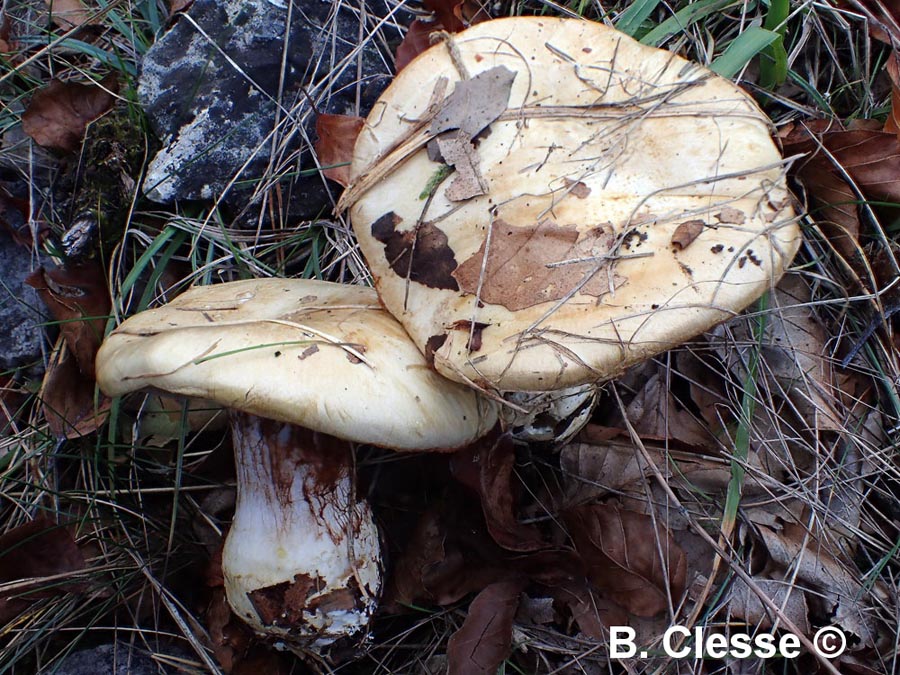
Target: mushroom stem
302 559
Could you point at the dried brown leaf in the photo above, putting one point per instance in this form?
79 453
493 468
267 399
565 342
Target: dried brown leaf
793 348
883 18
744 603
622 552
654 413
334 146
459 153
176 6
448 557
456 15
67 397
485 639
487 467
594 471
68 13
517 273
416 41
77 297
577 188
731 215
832 584
229 636
592 612
536 610
60 112
37 549
686 232
475 103
869 158
6 42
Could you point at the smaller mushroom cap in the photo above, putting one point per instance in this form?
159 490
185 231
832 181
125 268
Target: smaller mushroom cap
320 355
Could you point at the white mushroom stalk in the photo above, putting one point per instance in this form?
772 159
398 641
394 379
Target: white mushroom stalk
300 364
302 557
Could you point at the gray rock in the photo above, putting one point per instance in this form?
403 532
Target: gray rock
212 83
118 659
21 334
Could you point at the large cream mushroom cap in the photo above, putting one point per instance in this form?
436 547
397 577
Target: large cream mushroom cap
632 200
320 355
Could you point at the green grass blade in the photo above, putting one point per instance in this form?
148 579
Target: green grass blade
773 65
629 21
742 49
683 18
748 408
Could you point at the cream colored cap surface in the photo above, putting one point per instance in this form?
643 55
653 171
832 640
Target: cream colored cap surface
622 201
321 355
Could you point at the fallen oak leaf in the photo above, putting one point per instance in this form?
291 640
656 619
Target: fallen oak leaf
68 14
449 556
40 548
457 15
486 467
6 42
621 551
78 299
58 114
484 641
416 41
593 614
176 6
869 158
882 18
67 397
451 16
531 264
334 146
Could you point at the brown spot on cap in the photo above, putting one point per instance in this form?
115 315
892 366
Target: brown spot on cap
474 329
309 351
731 216
421 254
434 343
353 358
577 188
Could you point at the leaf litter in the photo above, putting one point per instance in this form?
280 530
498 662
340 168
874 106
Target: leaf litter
336 136
58 114
590 608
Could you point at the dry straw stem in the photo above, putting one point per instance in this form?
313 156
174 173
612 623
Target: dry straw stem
560 238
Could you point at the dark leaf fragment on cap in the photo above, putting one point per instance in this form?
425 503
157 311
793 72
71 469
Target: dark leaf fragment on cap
518 272
686 233
421 254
